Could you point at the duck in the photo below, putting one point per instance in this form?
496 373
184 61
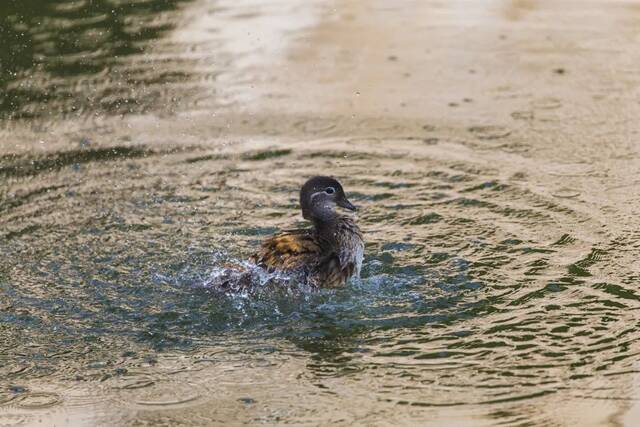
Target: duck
325 255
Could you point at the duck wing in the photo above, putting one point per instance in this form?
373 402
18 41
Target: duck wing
290 250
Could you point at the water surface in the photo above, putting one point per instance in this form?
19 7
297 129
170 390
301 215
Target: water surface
146 144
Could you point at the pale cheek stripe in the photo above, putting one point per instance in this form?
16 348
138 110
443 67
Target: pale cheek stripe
315 194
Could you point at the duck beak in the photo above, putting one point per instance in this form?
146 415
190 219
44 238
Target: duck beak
344 203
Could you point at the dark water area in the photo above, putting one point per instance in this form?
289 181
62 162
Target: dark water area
65 58
499 285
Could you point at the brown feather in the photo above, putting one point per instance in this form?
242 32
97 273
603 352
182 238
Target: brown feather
323 260
290 250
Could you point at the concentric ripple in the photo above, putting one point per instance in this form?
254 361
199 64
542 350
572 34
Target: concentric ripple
476 290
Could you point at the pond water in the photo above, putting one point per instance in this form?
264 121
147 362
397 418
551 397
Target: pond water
493 151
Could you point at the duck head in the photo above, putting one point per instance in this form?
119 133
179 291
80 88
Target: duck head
319 198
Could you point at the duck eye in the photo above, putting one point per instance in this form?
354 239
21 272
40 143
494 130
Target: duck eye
329 190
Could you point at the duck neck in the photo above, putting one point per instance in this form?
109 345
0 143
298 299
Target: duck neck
328 227
324 216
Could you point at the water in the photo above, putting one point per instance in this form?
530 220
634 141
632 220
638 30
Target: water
146 144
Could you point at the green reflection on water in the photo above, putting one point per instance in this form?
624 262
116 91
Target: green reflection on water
58 54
